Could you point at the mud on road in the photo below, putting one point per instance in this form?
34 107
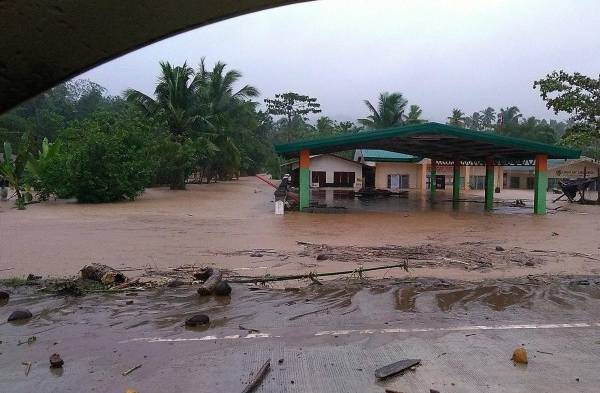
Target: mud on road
331 337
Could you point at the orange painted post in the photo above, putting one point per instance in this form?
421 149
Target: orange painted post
540 186
304 179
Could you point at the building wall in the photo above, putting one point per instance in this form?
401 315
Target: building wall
383 169
330 164
574 170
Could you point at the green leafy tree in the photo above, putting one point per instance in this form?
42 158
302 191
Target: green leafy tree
294 107
104 159
457 118
40 169
414 115
389 111
576 94
12 168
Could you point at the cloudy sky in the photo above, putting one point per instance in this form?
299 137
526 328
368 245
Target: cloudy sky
440 54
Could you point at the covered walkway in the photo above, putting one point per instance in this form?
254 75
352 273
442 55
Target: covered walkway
444 145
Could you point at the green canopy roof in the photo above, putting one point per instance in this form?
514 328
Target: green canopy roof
387 156
436 141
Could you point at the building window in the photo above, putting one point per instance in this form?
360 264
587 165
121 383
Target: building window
515 182
343 179
477 182
319 177
396 181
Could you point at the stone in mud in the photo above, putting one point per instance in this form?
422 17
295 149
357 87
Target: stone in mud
175 283
4 296
499 248
19 315
529 263
223 289
520 355
56 361
322 257
197 320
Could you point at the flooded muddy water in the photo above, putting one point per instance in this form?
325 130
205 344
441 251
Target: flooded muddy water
212 224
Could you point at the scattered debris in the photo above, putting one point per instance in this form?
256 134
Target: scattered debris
395 368
56 361
29 341
260 375
211 282
322 257
545 353
520 355
392 391
68 288
499 248
529 263
4 296
175 283
250 330
132 369
19 315
555 233
27 367
33 277
197 320
103 273
223 289
269 278
433 391
256 254
280 361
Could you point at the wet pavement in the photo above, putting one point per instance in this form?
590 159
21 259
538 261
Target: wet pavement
331 337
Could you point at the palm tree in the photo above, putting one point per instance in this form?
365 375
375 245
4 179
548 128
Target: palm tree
474 122
509 117
389 112
457 118
176 101
222 105
414 115
488 118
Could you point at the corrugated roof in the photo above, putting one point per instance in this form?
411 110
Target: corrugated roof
436 141
387 156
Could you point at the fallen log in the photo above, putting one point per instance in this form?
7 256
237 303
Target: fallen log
310 275
103 273
211 282
260 375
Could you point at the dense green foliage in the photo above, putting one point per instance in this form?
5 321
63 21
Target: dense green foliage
102 159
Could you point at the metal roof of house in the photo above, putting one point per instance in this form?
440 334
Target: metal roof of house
436 141
387 156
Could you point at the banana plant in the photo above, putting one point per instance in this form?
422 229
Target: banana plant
12 169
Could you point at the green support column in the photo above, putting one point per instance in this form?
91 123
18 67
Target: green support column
304 179
456 183
489 185
540 185
432 180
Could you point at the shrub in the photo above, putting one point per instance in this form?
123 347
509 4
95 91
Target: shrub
104 159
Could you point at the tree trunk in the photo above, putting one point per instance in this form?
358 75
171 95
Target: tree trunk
178 181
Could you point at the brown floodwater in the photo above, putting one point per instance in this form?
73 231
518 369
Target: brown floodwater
211 224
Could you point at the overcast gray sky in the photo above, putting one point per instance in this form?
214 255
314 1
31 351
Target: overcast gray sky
440 54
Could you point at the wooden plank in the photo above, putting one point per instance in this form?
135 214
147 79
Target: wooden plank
396 367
